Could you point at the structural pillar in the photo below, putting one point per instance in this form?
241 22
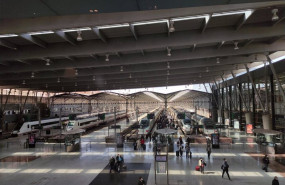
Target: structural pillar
272 89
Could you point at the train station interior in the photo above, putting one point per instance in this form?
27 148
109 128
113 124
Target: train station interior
147 92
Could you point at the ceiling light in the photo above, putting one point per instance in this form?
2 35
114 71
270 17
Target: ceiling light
94 78
130 75
150 22
76 72
47 61
218 60
76 29
33 75
46 85
168 73
136 81
105 82
8 35
168 65
41 32
200 75
58 80
113 26
171 26
79 37
236 46
107 58
24 82
75 84
274 16
168 52
122 68
207 69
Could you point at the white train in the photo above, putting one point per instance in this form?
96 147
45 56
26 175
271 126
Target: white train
207 123
146 124
87 120
34 125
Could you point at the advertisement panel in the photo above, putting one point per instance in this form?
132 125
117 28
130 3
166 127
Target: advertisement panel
249 128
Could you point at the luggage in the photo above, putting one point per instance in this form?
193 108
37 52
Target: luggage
177 153
197 168
135 147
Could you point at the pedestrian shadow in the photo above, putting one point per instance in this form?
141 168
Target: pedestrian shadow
209 172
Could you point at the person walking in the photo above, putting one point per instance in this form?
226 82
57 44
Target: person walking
265 163
201 164
112 164
141 181
187 150
225 168
209 150
275 181
181 150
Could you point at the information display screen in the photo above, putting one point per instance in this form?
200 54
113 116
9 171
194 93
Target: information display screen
160 158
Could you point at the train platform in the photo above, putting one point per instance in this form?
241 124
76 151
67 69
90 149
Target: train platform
48 164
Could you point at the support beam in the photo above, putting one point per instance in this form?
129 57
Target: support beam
132 28
248 42
99 34
34 40
242 20
272 100
239 92
220 44
254 87
194 47
66 37
8 44
205 23
23 61
142 52
281 18
275 39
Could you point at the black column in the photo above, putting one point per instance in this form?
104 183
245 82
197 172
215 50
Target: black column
272 87
253 107
240 102
230 104
223 107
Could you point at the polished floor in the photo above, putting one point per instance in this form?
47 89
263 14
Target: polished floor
56 167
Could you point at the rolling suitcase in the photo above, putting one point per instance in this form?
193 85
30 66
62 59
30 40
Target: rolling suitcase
197 168
177 153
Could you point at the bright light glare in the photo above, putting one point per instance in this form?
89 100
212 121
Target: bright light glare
207 17
113 26
9 170
150 22
8 35
36 171
68 171
246 12
76 29
40 32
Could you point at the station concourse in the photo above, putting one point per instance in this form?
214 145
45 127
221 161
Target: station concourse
158 85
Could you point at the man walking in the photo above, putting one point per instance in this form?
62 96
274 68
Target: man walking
265 162
112 164
275 181
141 181
209 150
225 168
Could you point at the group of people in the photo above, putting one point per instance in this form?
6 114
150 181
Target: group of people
140 144
116 164
180 147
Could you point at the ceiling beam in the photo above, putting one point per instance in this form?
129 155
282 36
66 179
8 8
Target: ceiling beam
66 37
275 39
220 44
99 34
205 23
242 21
183 38
193 47
34 40
248 42
132 28
281 18
8 44
62 22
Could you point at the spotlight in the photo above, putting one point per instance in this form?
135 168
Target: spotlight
218 60
47 62
274 16
168 52
79 37
58 80
107 58
171 26
168 65
33 75
236 46
94 78
76 72
130 75
24 82
122 68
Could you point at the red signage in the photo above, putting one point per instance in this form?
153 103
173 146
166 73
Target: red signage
249 129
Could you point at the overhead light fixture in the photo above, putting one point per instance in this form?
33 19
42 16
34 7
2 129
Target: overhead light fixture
275 16
58 80
46 85
105 82
76 72
200 75
136 81
122 68
236 46
41 32
33 75
107 58
113 26
207 69
88 87
8 35
24 82
62 88
130 75
94 78
47 62
218 60
168 65
168 73
79 37
75 84
171 26
150 22
168 51
76 29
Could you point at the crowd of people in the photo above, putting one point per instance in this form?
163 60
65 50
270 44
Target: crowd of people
116 163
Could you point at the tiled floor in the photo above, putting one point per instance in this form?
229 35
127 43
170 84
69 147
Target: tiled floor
56 167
